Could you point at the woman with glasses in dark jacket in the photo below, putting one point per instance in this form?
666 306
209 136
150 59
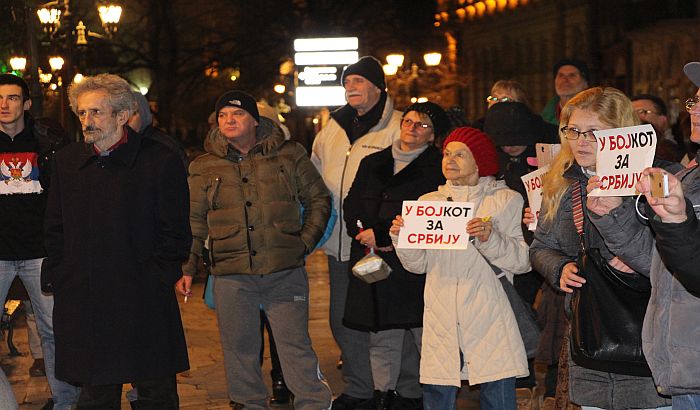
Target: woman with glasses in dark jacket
555 247
391 309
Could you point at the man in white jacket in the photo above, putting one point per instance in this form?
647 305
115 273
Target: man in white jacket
366 124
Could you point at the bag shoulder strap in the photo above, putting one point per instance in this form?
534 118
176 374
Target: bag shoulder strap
577 207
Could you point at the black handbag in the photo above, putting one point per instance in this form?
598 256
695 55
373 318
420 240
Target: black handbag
524 314
525 317
607 312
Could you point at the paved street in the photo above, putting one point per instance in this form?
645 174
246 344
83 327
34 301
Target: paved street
203 386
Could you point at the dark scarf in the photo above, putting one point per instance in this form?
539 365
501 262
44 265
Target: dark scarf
356 126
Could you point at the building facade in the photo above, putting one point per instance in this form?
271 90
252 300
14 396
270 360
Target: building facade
625 44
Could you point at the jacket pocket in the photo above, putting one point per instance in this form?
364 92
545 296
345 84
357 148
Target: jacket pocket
289 236
224 241
285 178
213 192
288 227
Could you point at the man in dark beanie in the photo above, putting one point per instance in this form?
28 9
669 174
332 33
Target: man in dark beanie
367 124
571 76
246 199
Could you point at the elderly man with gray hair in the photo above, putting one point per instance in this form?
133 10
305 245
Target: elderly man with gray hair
117 232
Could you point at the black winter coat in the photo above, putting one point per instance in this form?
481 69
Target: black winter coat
375 198
117 232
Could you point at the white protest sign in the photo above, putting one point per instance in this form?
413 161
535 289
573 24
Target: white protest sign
533 185
622 155
435 225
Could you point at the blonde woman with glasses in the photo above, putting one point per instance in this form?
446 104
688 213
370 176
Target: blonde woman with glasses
556 245
670 251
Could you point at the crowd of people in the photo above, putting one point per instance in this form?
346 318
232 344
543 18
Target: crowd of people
107 232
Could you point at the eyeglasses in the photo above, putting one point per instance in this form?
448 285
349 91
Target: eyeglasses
690 102
408 123
642 111
492 99
574 134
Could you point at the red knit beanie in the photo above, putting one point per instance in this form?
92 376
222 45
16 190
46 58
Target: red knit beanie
480 145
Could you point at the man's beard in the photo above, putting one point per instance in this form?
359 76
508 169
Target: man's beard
92 135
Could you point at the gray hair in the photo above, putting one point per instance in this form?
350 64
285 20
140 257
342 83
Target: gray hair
141 106
119 96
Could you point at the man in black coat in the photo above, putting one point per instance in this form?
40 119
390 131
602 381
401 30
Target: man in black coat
117 232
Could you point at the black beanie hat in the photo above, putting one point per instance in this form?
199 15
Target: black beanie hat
441 123
512 123
238 99
580 65
369 68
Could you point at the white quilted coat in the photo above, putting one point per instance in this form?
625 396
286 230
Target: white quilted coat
466 308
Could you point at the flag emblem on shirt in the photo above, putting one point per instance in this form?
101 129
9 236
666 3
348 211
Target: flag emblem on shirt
19 173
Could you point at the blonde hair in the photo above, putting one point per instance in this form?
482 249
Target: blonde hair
513 88
613 109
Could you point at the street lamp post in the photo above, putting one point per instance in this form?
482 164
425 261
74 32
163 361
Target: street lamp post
435 79
405 83
52 16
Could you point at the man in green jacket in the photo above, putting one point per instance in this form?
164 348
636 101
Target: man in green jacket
246 198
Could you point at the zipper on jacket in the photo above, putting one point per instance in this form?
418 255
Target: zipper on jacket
247 237
287 182
215 193
340 211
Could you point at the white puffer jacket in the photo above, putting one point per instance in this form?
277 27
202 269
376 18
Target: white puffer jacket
337 161
466 308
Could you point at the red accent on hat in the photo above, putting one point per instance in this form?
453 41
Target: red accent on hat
480 145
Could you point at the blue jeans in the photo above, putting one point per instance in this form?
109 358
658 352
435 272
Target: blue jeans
496 395
686 402
439 397
29 271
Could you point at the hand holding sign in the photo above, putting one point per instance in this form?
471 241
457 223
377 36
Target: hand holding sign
528 216
480 228
600 205
396 225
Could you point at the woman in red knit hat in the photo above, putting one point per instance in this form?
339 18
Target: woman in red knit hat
469 329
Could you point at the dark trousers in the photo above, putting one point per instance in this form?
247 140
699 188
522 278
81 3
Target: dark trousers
159 394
